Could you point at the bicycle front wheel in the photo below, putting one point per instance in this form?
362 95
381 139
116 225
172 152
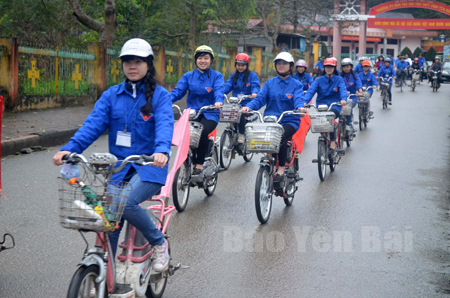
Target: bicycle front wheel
83 283
361 118
180 189
226 150
156 290
209 190
263 194
322 159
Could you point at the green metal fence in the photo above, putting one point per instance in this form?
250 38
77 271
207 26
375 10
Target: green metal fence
45 71
267 64
114 73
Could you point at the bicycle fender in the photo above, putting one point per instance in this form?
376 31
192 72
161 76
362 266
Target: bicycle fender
95 260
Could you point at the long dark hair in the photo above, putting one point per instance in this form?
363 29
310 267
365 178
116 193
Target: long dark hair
236 75
351 72
149 80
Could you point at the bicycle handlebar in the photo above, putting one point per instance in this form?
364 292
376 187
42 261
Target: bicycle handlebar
237 100
294 112
329 108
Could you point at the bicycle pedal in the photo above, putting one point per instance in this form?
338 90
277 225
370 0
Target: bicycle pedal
291 175
220 170
315 161
297 179
371 117
340 152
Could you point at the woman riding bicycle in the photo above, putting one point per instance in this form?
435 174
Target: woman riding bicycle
401 68
387 71
330 88
242 82
139 118
205 88
301 75
353 84
280 94
368 79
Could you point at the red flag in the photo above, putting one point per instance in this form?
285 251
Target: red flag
299 137
213 134
181 138
1 117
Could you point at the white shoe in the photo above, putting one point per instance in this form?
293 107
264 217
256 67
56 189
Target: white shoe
161 257
241 138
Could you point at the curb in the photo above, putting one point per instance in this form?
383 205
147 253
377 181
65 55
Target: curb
47 139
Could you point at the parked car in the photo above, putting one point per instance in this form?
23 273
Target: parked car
446 72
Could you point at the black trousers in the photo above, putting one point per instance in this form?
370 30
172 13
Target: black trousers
289 131
208 127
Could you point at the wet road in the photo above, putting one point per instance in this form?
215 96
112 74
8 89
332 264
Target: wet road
376 227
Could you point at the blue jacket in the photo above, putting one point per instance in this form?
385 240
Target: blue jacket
358 68
204 89
306 79
387 72
328 91
422 61
279 96
116 108
401 65
368 80
252 86
353 83
318 65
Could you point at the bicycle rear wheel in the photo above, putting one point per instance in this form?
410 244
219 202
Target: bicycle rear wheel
263 194
83 283
247 156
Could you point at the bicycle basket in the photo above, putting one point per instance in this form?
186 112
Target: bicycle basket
346 111
230 113
365 98
416 76
263 137
195 129
92 207
322 122
384 86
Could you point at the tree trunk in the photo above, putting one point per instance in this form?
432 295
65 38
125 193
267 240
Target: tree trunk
193 28
277 25
106 30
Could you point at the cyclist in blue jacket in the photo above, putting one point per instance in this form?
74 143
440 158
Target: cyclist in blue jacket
353 84
301 75
280 94
319 67
358 68
330 88
401 68
368 79
242 82
387 71
205 88
423 66
139 118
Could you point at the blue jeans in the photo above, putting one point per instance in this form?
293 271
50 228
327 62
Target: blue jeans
135 214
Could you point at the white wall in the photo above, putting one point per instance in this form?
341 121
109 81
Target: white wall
412 42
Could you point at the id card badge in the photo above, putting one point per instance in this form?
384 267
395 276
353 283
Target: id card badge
123 139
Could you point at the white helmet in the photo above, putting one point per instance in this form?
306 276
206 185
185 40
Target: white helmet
346 61
285 56
362 58
136 47
334 59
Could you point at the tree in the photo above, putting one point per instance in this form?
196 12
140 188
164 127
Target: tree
430 54
405 51
270 11
105 29
417 52
324 50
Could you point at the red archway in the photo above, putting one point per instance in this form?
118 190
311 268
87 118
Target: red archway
397 4
386 23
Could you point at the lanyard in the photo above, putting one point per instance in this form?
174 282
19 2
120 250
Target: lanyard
131 113
346 80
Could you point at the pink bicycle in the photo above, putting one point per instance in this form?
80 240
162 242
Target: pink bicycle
93 203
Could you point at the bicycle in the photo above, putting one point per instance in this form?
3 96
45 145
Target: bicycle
384 91
184 179
98 275
346 135
323 122
434 80
229 146
265 137
415 79
363 101
402 79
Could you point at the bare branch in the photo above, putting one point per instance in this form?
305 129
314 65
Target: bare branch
83 18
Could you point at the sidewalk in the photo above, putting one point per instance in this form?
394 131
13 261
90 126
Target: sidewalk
40 128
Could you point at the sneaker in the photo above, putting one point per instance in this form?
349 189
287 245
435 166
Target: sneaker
370 113
241 138
161 257
348 128
390 102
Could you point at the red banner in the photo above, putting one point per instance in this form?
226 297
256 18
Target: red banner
356 38
397 4
415 33
409 23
